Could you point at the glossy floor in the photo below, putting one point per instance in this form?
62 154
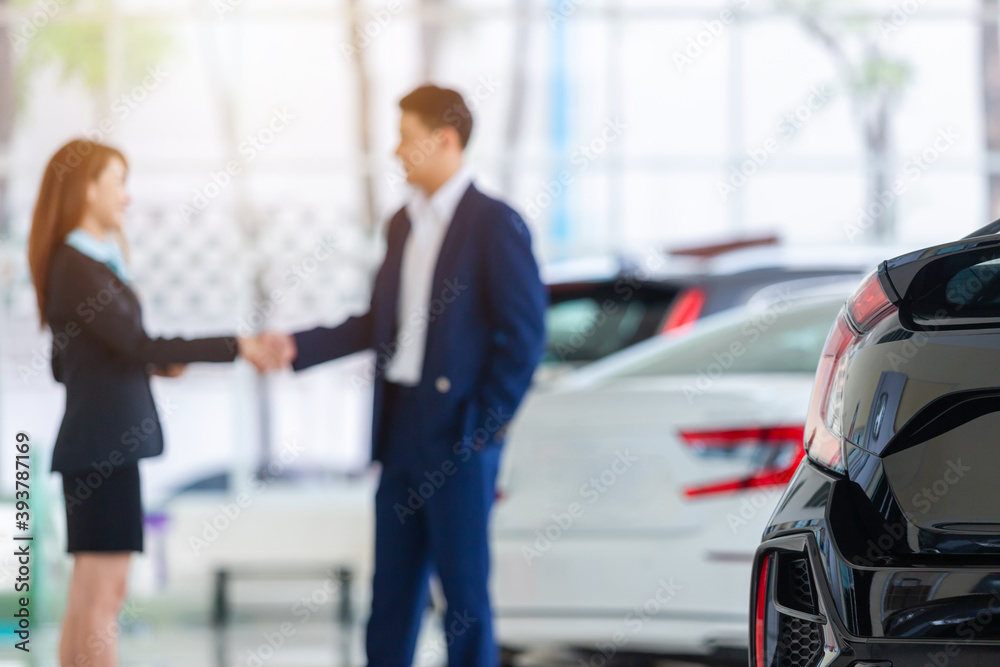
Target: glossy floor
261 644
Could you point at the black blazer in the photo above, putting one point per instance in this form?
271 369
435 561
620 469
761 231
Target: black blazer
104 357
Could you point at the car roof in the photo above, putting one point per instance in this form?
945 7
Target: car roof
655 266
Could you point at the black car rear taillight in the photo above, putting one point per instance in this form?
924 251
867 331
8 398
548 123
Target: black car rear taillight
787 626
760 614
824 422
869 304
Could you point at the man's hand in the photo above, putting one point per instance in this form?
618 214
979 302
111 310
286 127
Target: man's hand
281 346
269 351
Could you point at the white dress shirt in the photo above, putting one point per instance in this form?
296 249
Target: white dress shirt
429 221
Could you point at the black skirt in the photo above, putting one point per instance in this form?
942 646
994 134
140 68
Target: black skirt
104 509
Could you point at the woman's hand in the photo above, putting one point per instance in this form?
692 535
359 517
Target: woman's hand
169 371
269 351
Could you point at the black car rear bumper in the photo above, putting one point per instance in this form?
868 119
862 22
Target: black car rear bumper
825 609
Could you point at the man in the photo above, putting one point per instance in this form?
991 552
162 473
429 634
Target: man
456 321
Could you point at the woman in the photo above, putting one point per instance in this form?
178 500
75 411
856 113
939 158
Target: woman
104 357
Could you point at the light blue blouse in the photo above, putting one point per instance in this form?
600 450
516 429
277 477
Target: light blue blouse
107 251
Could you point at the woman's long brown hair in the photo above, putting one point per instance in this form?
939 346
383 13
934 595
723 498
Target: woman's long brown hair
62 200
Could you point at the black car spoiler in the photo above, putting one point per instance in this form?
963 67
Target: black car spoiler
992 228
951 286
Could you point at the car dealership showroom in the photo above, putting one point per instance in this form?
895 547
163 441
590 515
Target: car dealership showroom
482 333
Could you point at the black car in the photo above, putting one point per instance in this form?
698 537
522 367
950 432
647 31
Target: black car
593 316
885 548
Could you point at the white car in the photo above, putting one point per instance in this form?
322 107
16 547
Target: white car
634 491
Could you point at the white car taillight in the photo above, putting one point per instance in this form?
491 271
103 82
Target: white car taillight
784 452
824 423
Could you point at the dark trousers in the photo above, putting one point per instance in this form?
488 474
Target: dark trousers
431 514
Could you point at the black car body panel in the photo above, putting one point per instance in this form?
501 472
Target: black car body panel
902 550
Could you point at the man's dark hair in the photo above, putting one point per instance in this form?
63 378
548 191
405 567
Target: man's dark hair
438 107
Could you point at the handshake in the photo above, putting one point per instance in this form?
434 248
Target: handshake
268 351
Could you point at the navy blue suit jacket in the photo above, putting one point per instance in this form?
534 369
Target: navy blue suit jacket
485 330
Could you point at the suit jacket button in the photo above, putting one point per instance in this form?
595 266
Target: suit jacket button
442 384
